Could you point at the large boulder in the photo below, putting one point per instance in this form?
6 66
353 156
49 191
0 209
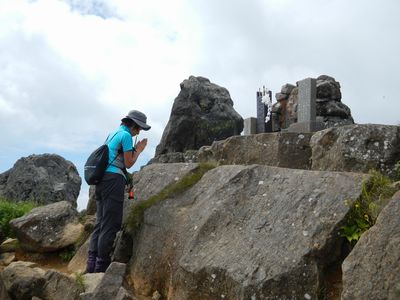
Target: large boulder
202 113
282 149
45 178
110 284
48 228
244 232
24 280
153 178
60 287
357 148
372 270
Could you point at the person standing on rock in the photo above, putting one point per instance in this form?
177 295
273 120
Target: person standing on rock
110 191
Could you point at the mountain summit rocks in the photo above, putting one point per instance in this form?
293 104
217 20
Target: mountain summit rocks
202 113
45 178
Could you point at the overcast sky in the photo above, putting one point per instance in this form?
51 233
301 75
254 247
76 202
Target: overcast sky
70 70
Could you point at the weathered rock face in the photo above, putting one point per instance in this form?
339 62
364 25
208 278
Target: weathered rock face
243 232
372 270
356 148
190 156
59 286
45 178
202 113
23 280
91 206
48 228
78 263
283 149
330 110
155 177
3 290
110 284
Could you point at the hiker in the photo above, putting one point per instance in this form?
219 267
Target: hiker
110 190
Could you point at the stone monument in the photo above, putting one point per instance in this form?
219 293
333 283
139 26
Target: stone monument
306 108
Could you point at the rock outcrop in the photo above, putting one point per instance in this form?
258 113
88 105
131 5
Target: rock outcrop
48 228
350 148
243 232
372 270
45 178
60 286
24 280
110 284
282 149
202 113
356 148
3 290
329 106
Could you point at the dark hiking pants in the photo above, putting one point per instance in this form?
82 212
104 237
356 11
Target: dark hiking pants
109 201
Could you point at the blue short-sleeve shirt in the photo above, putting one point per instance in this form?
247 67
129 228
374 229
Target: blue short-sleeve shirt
119 139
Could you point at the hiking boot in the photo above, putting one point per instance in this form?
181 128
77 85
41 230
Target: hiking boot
102 264
91 262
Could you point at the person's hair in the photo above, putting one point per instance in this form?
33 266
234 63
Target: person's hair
130 123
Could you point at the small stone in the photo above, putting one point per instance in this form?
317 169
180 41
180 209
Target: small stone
305 233
307 296
213 276
156 296
261 182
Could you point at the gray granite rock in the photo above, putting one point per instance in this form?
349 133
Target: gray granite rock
91 206
45 178
91 281
372 270
48 228
189 156
243 232
287 88
111 282
202 113
160 176
78 263
60 287
282 149
356 148
3 291
23 280
123 294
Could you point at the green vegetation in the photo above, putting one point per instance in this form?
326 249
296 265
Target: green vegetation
80 281
362 215
67 253
10 210
135 217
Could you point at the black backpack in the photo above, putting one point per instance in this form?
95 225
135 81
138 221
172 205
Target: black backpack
97 164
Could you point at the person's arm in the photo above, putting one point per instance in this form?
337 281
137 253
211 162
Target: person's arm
130 157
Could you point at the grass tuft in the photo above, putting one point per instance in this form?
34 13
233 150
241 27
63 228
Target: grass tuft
365 210
11 210
135 217
80 281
